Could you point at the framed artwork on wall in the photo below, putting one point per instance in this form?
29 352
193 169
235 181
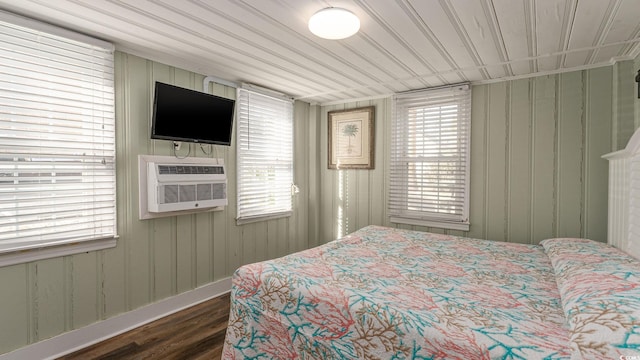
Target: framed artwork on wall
351 138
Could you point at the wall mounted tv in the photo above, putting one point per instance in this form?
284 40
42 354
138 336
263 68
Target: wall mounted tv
181 114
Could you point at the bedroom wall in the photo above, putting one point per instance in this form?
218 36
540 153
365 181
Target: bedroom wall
536 167
154 259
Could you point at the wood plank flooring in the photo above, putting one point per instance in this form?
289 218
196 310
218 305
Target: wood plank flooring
194 333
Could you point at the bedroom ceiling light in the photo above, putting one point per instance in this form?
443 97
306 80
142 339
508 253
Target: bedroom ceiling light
334 23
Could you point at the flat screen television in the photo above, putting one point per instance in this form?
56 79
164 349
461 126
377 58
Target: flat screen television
181 114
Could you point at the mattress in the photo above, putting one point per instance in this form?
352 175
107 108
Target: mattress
385 293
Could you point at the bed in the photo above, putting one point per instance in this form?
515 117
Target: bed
385 293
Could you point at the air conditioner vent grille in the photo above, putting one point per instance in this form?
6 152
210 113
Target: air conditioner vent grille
174 193
190 169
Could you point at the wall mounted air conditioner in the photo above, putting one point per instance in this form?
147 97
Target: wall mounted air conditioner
185 186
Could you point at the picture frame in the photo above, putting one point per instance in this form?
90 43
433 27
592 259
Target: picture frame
351 138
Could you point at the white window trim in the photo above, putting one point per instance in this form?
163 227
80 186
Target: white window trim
420 219
253 219
462 226
24 256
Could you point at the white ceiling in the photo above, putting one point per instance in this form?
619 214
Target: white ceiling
402 44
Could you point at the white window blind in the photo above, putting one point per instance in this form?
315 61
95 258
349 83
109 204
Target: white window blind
429 169
57 144
264 155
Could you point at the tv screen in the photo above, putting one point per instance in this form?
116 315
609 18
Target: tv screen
181 114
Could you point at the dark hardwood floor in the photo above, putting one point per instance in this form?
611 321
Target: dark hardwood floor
194 333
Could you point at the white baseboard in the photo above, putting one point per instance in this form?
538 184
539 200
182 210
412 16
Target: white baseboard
74 340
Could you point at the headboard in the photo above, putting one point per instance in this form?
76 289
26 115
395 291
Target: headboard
624 197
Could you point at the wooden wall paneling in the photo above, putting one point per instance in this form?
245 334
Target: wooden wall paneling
597 143
201 223
113 262
186 250
16 306
338 213
296 241
337 178
312 190
183 269
479 128
301 167
84 289
455 232
349 200
328 190
220 240
363 197
32 287
162 243
162 240
325 223
113 279
67 292
225 229
261 239
431 230
404 226
377 205
49 298
262 245
271 237
138 236
497 132
519 162
350 194
338 198
248 245
385 154
544 141
624 93
360 191
232 239
283 236
569 157
290 241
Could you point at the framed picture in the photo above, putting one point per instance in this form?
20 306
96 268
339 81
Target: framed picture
351 138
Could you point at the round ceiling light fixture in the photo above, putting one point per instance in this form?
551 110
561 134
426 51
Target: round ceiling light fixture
334 23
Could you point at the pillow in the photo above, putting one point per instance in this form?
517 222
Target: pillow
599 287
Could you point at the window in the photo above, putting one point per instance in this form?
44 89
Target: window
57 144
265 155
429 168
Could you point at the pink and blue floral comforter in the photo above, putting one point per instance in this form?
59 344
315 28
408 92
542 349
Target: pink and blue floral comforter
383 293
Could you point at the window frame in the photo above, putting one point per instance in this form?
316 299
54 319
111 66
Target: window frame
285 207
31 249
399 178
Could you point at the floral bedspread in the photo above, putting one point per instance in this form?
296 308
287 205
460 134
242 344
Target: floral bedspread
383 293
600 290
